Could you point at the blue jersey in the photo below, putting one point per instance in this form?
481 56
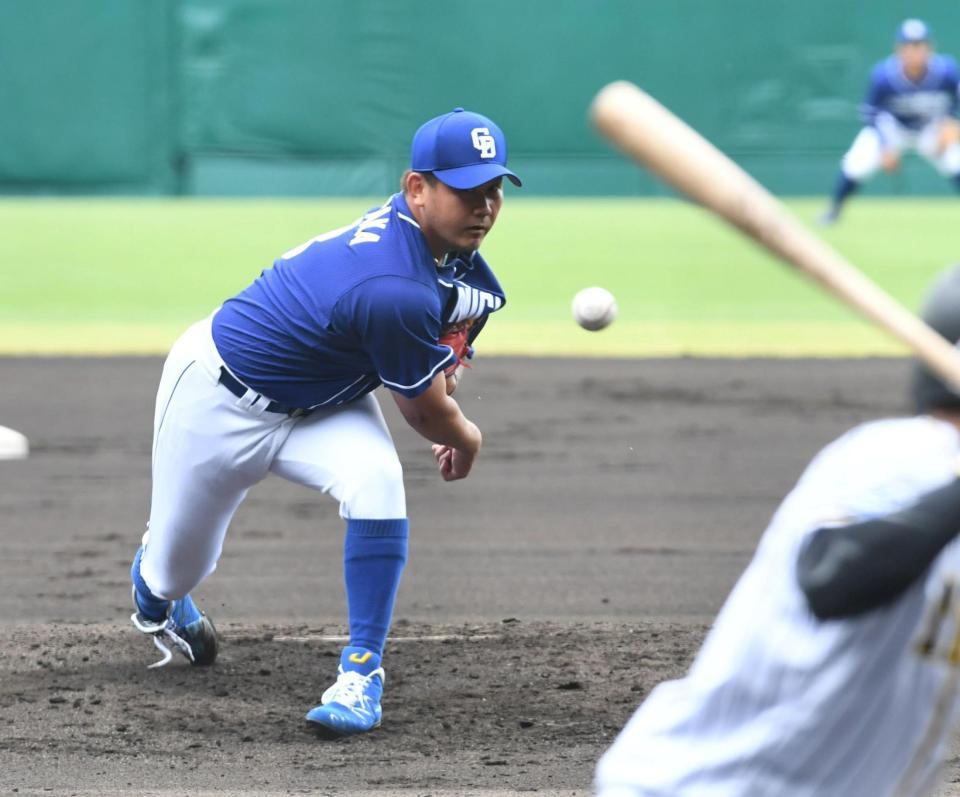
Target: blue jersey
352 309
912 104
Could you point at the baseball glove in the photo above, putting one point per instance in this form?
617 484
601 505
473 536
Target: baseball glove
457 337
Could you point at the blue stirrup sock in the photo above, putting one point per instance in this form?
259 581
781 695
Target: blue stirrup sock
374 554
149 605
844 187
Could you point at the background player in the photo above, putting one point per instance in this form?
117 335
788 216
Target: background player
834 666
910 104
279 380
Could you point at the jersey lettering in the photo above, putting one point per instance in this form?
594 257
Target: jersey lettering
940 636
377 220
473 303
483 141
928 104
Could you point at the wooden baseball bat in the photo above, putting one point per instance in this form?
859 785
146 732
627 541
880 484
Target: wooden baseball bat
651 135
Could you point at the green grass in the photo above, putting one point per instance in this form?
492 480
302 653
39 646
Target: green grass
126 276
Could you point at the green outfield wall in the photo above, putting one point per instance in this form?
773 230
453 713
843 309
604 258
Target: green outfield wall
320 97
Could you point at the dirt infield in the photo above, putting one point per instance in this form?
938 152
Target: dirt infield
614 505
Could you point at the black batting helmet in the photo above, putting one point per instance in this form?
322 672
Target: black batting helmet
941 310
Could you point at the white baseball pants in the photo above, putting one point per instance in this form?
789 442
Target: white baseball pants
210 447
863 158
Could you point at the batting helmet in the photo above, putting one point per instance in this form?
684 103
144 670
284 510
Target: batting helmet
941 310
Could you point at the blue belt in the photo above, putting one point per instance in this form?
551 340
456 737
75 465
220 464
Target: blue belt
235 386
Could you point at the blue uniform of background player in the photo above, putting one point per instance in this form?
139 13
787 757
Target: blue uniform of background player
279 380
910 104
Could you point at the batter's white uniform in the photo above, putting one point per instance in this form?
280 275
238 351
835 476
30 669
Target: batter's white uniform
778 703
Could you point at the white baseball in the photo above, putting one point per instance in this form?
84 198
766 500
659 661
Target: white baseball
594 308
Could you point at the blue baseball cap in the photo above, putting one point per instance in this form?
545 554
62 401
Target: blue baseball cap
912 31
463 149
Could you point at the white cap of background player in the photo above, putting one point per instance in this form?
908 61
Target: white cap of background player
13 445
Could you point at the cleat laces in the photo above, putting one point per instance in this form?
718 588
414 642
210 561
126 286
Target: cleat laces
350 691
162 629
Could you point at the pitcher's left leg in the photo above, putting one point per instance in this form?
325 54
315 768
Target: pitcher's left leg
349 453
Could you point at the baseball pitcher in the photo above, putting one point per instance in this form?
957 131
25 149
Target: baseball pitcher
280 379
